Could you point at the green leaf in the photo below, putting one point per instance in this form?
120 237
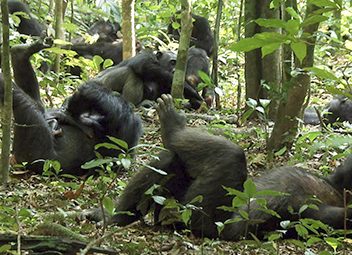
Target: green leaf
333 242
4 248
300 50
247 44
312 240
159 199
96 162
159 171
109 146
321 73
323 3
97 61
186 216
244 214
293 13
281 151
271 193
126 163
292 26
313 20
274 23
301 231
107 63
249 188
269 48
119 142
109 205
264 102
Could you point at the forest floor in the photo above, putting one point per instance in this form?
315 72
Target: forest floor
49 199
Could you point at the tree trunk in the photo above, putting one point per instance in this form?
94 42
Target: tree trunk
59 32
185 37
285 128
252 69
7 109
214 72
128 31
270 64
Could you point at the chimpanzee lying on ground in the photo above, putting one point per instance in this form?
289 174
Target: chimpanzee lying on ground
338 110
197 163
202 36
144 76
67 135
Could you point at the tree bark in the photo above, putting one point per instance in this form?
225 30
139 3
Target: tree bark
7 109
128 30
214 72
252 69
285 128
185 37
59 32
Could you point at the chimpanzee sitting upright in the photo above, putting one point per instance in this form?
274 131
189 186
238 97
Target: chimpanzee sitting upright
28 25
201 36
67 135
197 163
106 30
144 76
197 60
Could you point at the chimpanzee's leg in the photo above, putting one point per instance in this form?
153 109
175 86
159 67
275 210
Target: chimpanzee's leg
211 161
24 74
32 136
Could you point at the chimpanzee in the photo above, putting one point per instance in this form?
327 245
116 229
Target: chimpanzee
197 163
107 31
201 36
338 110
67 135
144 76
197 60
28 25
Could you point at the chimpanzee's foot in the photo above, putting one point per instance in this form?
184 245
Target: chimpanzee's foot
170 120
27 50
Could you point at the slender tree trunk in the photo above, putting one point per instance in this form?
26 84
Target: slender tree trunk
252 70
128 30
270 64
214 72
59 32
238 33
285 128
7 109
185 37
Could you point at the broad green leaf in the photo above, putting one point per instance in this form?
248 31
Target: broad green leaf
281 151
244 214
293 13
275 23
119 142
313 20
260 109
292 26
159 199
269 48
186 216
109 146
312 240
107 63
301 231
95 163
300 50
323 3
247 44
97 61
126 163
249 188
264 102
321 73
275 4
333 242
109 205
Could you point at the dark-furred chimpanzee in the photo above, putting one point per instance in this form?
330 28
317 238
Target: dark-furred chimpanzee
338 110
144 76
202 36
197 163
197 60
67 135
106 30
28 25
